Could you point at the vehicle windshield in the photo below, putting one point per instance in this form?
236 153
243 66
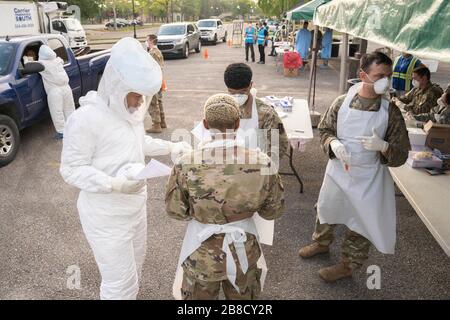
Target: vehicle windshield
206 24
73 25
172 30
6 55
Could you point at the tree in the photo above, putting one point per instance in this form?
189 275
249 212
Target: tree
242 7
160 8
277 7
190 9
89 8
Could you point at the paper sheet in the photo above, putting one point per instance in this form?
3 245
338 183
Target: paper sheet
201 133
281 114
153 169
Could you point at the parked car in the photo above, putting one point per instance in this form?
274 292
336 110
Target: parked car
212 30
121 23
136 22
23 100
178 39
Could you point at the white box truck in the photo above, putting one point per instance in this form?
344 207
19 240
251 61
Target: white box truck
18 18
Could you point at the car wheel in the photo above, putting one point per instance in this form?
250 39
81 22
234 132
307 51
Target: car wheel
9 140
225 37
199 47
186 51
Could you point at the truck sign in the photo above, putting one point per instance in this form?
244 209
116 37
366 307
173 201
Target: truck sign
18 18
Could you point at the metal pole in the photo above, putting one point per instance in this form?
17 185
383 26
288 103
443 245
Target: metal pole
344 64
313 64
134 21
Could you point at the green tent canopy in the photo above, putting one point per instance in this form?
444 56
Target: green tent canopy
419 27
305 11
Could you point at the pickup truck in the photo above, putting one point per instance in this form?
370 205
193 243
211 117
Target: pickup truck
212 30
23 100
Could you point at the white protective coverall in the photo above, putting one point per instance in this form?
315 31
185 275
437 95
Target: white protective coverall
100 139
56 84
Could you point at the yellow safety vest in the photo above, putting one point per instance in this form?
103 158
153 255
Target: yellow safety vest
407 76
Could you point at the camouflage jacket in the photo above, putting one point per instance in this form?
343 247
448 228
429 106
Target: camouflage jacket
396 133
219 194
422 100
157 55
268 119
438 114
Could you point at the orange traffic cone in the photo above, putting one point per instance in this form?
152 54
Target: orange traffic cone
205 53
164 86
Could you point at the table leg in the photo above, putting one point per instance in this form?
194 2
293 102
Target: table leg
294 171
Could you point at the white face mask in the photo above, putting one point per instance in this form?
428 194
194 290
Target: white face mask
132 109
380 86
415 83
27 59
240 98
136 114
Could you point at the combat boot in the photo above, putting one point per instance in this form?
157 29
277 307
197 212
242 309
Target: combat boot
339 271
312 250
155 128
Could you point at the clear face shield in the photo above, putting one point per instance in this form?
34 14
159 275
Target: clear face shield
137 106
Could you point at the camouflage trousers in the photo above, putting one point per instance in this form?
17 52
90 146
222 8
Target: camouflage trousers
355 248
249 286
156 108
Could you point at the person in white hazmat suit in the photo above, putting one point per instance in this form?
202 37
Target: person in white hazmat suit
104 147
56 83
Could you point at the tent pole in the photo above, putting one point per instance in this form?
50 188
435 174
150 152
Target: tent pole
313 64
344 64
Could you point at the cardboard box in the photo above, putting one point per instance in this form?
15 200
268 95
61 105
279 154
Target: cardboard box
438 136
288 72
417 136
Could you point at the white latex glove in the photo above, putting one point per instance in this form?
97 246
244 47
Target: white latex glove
339 150
123 185
130 170
374 143
179 148
398 103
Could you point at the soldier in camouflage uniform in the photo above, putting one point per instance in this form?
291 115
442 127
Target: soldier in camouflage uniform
211 192
355 248
238 79
156 106
423 97
438 114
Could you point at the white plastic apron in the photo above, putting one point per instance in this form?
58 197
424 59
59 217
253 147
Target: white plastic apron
363 197
235 232
248 128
